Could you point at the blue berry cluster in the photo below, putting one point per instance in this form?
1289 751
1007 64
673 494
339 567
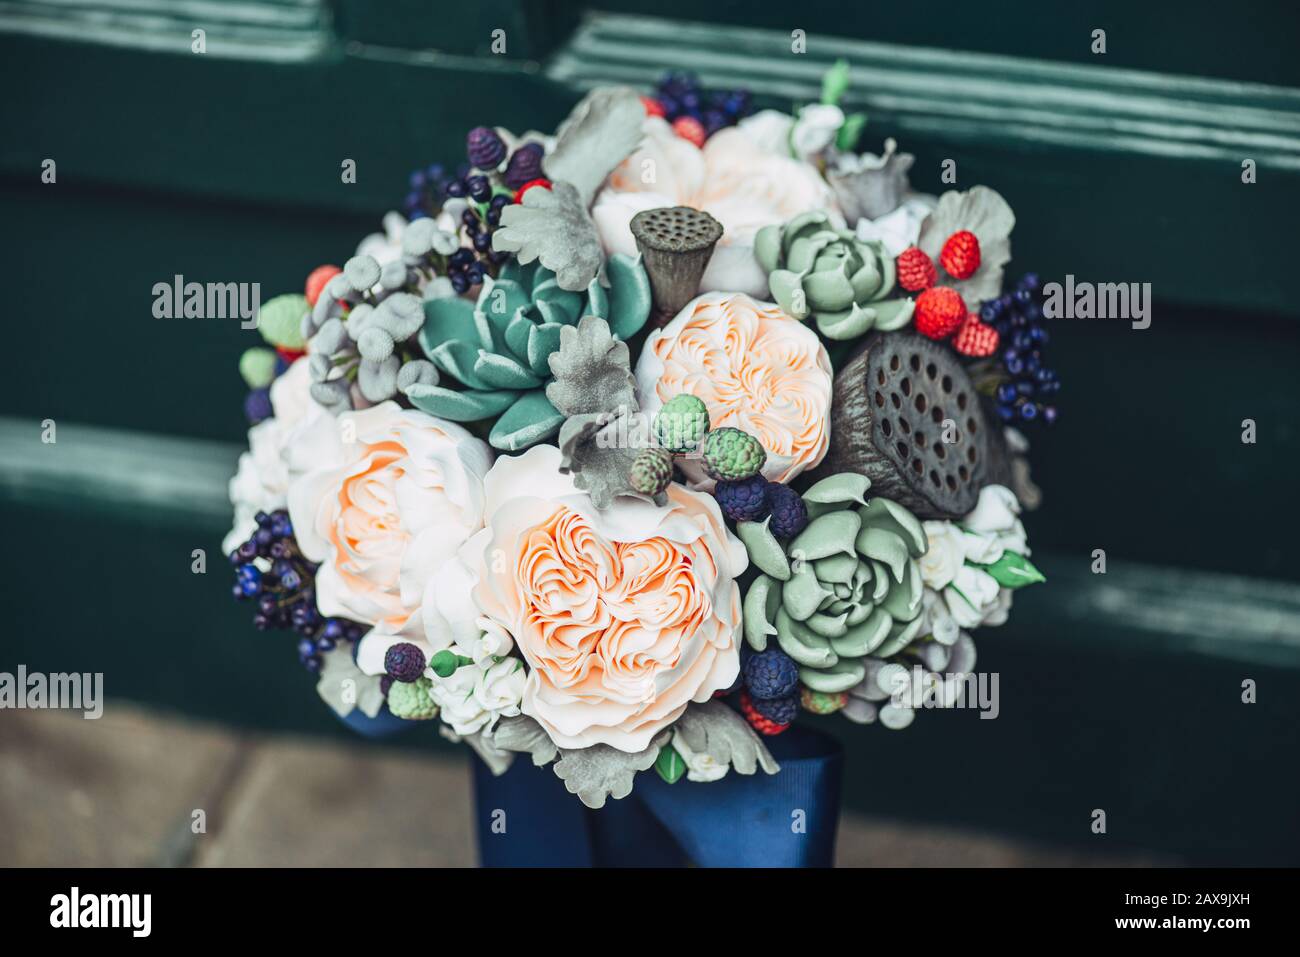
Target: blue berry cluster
679 94
1026 395
257 403
772 679
755 498
286 594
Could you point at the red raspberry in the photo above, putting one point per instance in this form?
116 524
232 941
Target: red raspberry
916 270
975 338
960 256
689 128
939 312
290 356
759 723
316 281
519 193
652 106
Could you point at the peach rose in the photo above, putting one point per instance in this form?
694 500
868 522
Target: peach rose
382 515
756 368
734 178
624 615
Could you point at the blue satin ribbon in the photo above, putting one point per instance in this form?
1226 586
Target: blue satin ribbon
526 818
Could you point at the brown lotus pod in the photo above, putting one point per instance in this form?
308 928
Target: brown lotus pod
676 244
907 416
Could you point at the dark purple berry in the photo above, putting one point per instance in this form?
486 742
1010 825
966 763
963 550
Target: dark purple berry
778 710
257 406
480 190
485 148
525 165
789 513
744 500
404 661
771 674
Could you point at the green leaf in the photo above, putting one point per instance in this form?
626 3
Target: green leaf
502 372
444 320
457 358
835 82
469 406
787 290
597 300
1013 571
669 764
542 341
569 304
530 420
517 333
847 138
629 295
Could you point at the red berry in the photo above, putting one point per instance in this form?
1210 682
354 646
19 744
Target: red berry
975 338
290 356
652 106
759 723
689 128
916 270
519 193
960 256
939 312
316 281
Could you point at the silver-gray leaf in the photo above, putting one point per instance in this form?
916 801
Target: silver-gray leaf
714 729
601 131
343 686
553 225
600 771
521 733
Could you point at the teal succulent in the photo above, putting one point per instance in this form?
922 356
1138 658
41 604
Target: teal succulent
817 269
497 348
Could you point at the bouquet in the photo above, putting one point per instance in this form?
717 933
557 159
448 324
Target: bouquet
626 447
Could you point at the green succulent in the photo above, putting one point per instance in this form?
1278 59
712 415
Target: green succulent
731 454
411 700
847 587
845 283
497 348
681 423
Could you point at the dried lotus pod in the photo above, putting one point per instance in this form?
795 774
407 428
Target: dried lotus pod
676 244
907 416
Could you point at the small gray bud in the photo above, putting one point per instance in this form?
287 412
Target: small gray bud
361 272
375 345
420 371
331 338
378 380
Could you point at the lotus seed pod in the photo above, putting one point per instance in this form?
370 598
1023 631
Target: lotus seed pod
361 272
681 423
652 470
403 315
280 321
819 702
375 345
378 380
732 454
417 371
392 276
331 339
411 700
257 366
676 244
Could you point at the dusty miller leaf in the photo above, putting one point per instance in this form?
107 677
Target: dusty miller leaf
553 226
592 369
343 686
601 771
602 130
522 733
600 467
714 729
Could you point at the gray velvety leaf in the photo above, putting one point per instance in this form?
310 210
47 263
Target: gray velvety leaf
592 370
714 729
868 186
602 130
521 733
985 213
598 469
497 760
343 686
553 225
601 771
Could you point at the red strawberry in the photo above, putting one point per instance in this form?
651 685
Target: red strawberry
519 193
316 281
759 723
915 270
975 338
960 256
939 312
652 106
689 128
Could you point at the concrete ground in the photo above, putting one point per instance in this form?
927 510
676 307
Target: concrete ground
124 791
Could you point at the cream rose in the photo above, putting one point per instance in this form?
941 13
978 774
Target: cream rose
382 515
624 615
944 556
277 453
756 369
735 178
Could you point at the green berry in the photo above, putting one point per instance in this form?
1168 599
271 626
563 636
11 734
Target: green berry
257 366
732 455
652 470
280 320
681 423
410 700
821 702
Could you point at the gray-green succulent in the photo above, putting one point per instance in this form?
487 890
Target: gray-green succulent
498 348
846 588
847 285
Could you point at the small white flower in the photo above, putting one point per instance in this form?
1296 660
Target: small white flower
474 696
943 559
897 230
699 767
971 596
770 130
815 129
995 511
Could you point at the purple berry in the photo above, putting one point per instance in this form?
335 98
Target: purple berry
744 500
525 165
404 661
257 405
771 674
789 513
778 710
485 148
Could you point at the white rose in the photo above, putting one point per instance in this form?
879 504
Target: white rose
699 767
943 559
971 596
770 130
474 696
982 549
815 129
897 230
995 511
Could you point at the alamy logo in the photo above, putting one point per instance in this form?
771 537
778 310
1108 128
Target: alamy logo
212 300
75 692
103 910
1105 300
